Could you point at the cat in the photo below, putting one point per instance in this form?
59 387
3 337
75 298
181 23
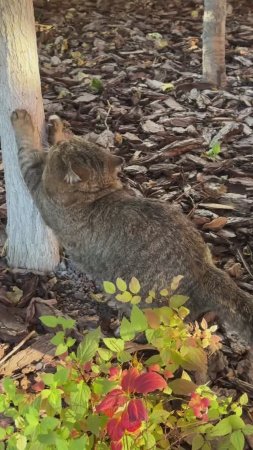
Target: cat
109 233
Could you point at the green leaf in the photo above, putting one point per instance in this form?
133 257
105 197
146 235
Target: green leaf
102 446
236 422
61 375
21 442
167 86
60 349
101 386
243 400
164 292
121 284
193 358
48 439
79 400
126 297
96 85
206 446
214 150
58 338
221 429
248 430
178 300
105 354
213 413
95 423
116 345
134 286
61 444
49 321
138 319
197 442
136 299
182 387
81 443
70 342
48 424
124 357
109 287
9 387
67 324
54 398
176 282
149 440
49 379
2 433
154 36
237 439
127 332
88 347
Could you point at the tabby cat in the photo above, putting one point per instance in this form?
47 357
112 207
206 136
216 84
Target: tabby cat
109 233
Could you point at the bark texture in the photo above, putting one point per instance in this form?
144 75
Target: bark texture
214 29
30 243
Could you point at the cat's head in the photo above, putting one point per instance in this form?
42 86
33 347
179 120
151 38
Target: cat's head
80 166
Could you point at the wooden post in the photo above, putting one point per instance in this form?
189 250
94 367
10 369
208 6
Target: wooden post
214 28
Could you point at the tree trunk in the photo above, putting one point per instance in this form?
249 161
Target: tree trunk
214 28
30 243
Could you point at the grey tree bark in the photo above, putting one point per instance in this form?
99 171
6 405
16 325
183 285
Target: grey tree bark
30 243
214 29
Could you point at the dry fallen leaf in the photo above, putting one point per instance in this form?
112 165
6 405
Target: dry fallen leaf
215 224
118 138
85 98
15 295
216 206
152 127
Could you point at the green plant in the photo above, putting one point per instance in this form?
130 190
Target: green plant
96 85
214 150
105 395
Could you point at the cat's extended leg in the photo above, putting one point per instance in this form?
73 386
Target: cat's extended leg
23 128
58 130
31 161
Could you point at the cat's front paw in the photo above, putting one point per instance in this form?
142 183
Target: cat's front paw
58 130
21 121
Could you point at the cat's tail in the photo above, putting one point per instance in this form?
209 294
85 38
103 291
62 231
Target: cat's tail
233 306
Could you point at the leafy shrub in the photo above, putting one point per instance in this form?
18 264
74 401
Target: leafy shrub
111 393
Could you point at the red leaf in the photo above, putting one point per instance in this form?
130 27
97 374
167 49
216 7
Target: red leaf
115 429
87 367
112 402
128 425
168 374
115 373
199 405
136 410
128 380
38 387
154 368
116 445
74 433
149 382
